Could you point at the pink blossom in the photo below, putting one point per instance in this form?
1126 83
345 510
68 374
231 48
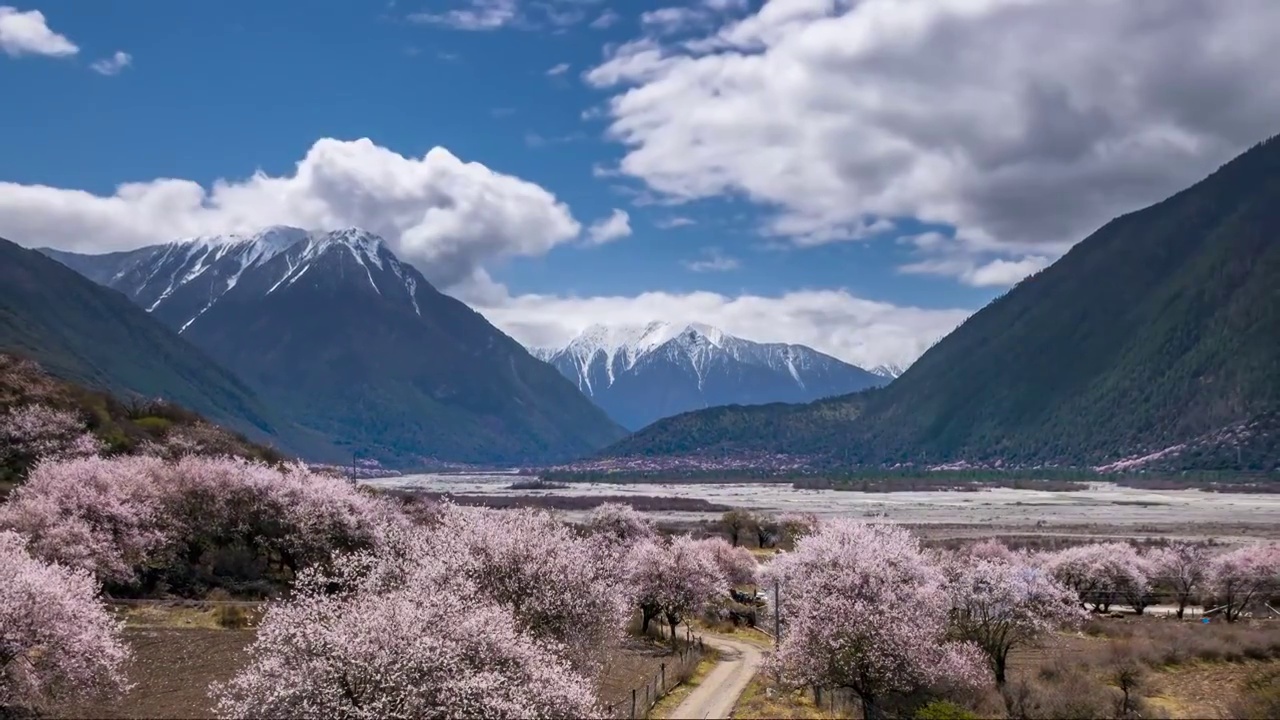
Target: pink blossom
675 578
31 432
865 610
991 549
620 522
737 564
562 589
56 638
1000 605
95 514
113 515
1182 567
430 646
1102 574
794 526
1244 576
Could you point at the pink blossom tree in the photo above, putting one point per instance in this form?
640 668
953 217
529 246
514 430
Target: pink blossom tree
114 515
57 640
866 611
1000 605
561 588
737 564
991 549
31 432
1240 577
794 526
370 641
1182 568
620 523
96 514
1102 574
675 578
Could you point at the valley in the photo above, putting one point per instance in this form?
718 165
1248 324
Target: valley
511 359
1103 510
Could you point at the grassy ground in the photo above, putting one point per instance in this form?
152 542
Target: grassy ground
763 699
1186 670
672 700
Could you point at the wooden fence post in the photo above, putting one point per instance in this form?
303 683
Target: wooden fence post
633 704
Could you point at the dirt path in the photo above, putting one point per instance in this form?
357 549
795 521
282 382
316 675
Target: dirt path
719 691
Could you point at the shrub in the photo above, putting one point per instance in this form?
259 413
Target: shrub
232 617
1260 697
944 710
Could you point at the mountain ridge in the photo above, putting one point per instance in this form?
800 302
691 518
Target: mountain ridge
357 347
640 373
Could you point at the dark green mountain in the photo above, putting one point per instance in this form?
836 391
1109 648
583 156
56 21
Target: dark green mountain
358 349
1161 328
94 336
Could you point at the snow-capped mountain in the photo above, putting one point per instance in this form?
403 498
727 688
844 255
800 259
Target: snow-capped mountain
641 373
181 281
356 347
890 371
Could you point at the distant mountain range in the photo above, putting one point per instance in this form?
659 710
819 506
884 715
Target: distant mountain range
355 348
1155 342
639 374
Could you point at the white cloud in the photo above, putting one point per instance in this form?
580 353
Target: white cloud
607 19
558 69
28 33
446 216
114 64
997 272
1024 124
674 222
478 15
863 332
713 260
617 225
487 15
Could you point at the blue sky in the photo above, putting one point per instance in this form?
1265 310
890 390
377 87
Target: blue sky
745 171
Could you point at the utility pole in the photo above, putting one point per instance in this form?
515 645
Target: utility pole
777 613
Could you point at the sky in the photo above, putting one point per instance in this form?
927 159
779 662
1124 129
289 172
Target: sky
858 176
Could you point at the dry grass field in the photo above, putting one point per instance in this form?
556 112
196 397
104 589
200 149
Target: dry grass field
1183 670
180 648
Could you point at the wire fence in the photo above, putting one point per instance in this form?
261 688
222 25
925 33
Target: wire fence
670 675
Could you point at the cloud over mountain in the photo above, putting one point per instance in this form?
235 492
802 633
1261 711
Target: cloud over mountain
445 215
1025 125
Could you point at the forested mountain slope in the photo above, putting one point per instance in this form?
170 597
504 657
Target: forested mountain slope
1161 328
94 336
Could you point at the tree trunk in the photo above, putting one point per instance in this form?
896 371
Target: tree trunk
1182 606
647 614
869 711
1002 660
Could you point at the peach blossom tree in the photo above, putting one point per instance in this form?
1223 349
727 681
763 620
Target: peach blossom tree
1183 568
865 610
1000 605
57 639
387 638
561 588
1241 577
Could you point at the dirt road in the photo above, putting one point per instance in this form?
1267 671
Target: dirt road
719 691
